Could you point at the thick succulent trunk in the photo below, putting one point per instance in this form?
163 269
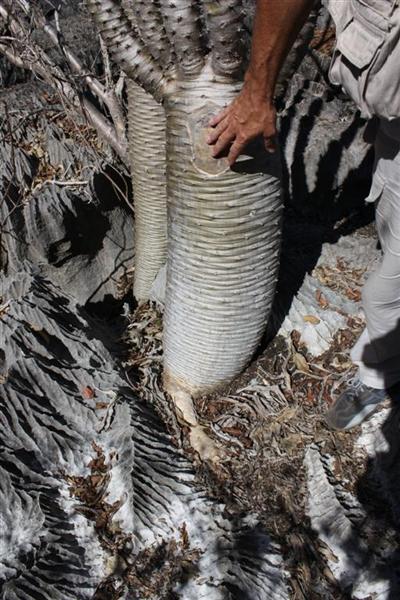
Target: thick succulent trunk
135 36
223 224
148 163
147 18
223 245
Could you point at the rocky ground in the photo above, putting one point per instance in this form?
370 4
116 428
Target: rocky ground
100 495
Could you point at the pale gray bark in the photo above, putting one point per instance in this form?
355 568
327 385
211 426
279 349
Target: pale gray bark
147 154
148 165
224 241
223 225
148 19
226 32
182 22
126 48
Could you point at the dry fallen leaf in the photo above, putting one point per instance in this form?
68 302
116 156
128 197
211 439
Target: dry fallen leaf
88 392
234 431
288 380
311 319
95 480
286 415
322 301
353 294
310 397
300 362
101 405
184 535
292 441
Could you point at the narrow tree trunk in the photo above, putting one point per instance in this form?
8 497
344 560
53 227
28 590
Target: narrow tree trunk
225 20
126 47
148 164
182 21
224 239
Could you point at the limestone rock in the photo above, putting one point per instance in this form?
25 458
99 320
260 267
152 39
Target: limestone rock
64 210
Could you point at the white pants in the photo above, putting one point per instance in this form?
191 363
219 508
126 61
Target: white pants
377 352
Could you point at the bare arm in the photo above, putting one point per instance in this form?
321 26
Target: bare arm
252 113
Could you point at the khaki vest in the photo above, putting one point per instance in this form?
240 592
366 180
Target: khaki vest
366 60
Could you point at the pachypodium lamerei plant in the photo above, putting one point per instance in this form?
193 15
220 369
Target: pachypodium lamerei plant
224 225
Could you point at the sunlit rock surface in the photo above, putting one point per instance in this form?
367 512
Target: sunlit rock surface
63 209
61 393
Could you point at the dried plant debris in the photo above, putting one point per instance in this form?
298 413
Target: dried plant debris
143 363
125 283
120 513
324 40
343 278
64 206
151 573
78 131
273 419
145 337
265 421
44 133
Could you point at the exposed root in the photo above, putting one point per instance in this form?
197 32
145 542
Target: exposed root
203 446
175 407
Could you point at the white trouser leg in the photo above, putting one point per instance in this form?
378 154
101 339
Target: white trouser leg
377 352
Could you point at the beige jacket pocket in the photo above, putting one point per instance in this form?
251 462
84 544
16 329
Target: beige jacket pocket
367 57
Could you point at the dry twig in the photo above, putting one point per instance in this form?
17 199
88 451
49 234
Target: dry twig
25 53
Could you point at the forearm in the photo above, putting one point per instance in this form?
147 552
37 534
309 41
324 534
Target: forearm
276 26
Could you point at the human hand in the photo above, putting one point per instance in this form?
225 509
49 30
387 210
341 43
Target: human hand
249 116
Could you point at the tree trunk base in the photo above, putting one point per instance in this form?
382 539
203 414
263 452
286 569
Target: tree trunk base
204 447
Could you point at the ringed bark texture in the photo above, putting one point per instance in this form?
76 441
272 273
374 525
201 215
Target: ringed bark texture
148 165
225 20
224 225
223 245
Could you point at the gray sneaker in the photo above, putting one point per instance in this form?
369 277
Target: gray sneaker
354 405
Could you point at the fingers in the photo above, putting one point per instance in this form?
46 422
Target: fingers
223 141
235 151
219 129
215 120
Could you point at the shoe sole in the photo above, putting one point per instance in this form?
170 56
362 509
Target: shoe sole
361 416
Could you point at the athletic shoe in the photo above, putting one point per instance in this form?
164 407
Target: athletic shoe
354 405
